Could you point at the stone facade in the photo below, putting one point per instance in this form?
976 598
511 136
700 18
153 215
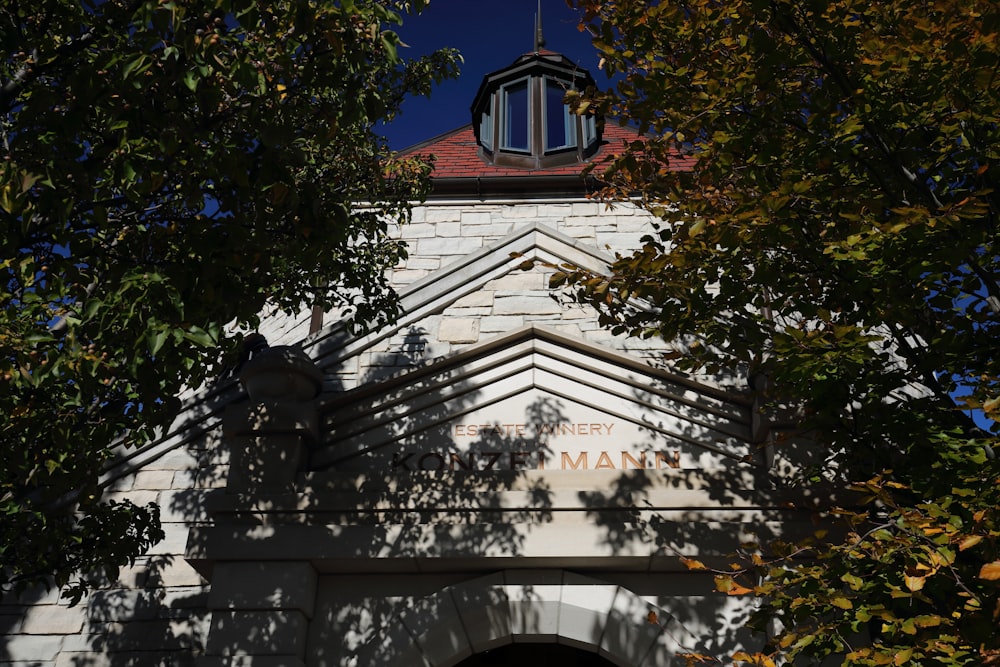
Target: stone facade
493 471
327 543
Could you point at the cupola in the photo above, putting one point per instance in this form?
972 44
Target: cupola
519 118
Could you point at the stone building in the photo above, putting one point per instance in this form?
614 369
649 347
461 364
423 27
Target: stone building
494 480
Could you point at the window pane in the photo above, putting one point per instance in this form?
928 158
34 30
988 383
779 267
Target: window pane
560 126
515 120
486 126
589 130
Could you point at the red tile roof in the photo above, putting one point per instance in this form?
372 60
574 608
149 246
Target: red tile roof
457 155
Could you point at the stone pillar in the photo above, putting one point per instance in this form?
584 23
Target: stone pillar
261 610
260 614
270 434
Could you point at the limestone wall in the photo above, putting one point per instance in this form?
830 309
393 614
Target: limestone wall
159 612
443 233
154 613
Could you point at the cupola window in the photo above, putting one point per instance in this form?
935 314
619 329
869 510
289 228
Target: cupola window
560 124
514 116
520 119
486 128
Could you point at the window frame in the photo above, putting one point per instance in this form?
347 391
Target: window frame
504 115
570 132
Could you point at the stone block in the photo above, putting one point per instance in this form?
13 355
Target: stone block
443 214
585 208
436 626
111 605
174 572
628 632
566 329
140 498
524 304
425 263
554 210
476 313
270 417
448 246
451 229
263 586
120 484
405 277
53 620
175 459
491 230
459 330
391 645
249 661
33 648
519 212
498 323
160 635
153 479
75 659
270 462
280 632
585 234
534 604
475 218
10 620
584 609
84 643
417 231
577 312
480 298
205 477
485 612
634 224
181 658
182 505
623 242
518 280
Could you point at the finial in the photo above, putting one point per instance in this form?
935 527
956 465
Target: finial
539 39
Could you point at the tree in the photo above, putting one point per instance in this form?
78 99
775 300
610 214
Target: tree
837 239
171 168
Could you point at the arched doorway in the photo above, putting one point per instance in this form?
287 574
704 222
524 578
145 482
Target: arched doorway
521 618
535 655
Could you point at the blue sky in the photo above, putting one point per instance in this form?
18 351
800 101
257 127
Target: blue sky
490 34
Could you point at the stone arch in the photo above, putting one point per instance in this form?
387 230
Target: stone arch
535 606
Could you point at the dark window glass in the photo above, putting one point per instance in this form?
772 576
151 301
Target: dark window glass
486 126
515 116
560 128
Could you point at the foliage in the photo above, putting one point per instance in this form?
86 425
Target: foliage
836 236
170 167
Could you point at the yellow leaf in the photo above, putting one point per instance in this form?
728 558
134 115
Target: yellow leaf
914 583
693 564
842 603
927 620
969 542
903 656
882 658
738 590
990 571
991 405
